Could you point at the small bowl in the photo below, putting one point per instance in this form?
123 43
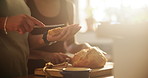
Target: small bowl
76 72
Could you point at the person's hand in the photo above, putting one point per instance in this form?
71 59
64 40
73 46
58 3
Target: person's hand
22 23
55 58
74 47
67 33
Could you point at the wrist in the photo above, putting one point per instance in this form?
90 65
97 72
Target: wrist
46 41
3 23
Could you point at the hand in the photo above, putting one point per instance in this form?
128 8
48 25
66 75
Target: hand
73 48
22 23
55 58
66 34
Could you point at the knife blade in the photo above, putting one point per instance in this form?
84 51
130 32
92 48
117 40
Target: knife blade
40 30
50 26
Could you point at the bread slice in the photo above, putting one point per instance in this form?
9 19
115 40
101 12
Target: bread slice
55 31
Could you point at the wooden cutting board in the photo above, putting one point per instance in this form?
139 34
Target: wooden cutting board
105 71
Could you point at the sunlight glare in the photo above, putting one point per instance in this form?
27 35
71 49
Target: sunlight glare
111 10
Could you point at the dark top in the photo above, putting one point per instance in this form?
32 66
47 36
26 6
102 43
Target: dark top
61 18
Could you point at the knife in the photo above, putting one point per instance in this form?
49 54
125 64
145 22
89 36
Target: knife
51 26
41 30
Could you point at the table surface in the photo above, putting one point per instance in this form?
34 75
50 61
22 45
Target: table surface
33 76
105 71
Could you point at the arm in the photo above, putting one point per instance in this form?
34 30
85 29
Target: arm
55 58
2 21
65 34
75 47
35 41
20 23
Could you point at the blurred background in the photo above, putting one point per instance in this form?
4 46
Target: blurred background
91 13
103 19
118 27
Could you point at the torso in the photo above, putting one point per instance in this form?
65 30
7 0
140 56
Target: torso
44 6
14 46
43 10
50 12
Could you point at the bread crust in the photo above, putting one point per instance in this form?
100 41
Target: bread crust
91 57
55 31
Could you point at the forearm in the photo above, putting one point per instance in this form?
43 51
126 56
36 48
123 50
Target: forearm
2 21
37 54
72 46
54 58
36 41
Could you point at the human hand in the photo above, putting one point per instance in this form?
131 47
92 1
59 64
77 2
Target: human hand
56 58
22 23
67 33
74 47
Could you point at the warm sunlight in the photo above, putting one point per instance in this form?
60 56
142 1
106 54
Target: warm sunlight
114 11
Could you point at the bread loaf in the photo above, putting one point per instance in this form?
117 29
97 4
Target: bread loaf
92 57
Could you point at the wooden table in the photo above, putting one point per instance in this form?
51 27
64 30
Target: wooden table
101 72
34 76
105 72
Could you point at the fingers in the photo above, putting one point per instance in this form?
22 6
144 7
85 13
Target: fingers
61 58
58 37
22 23
66 34
63 33
71 31
26 26
35 21
29 24
56 58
